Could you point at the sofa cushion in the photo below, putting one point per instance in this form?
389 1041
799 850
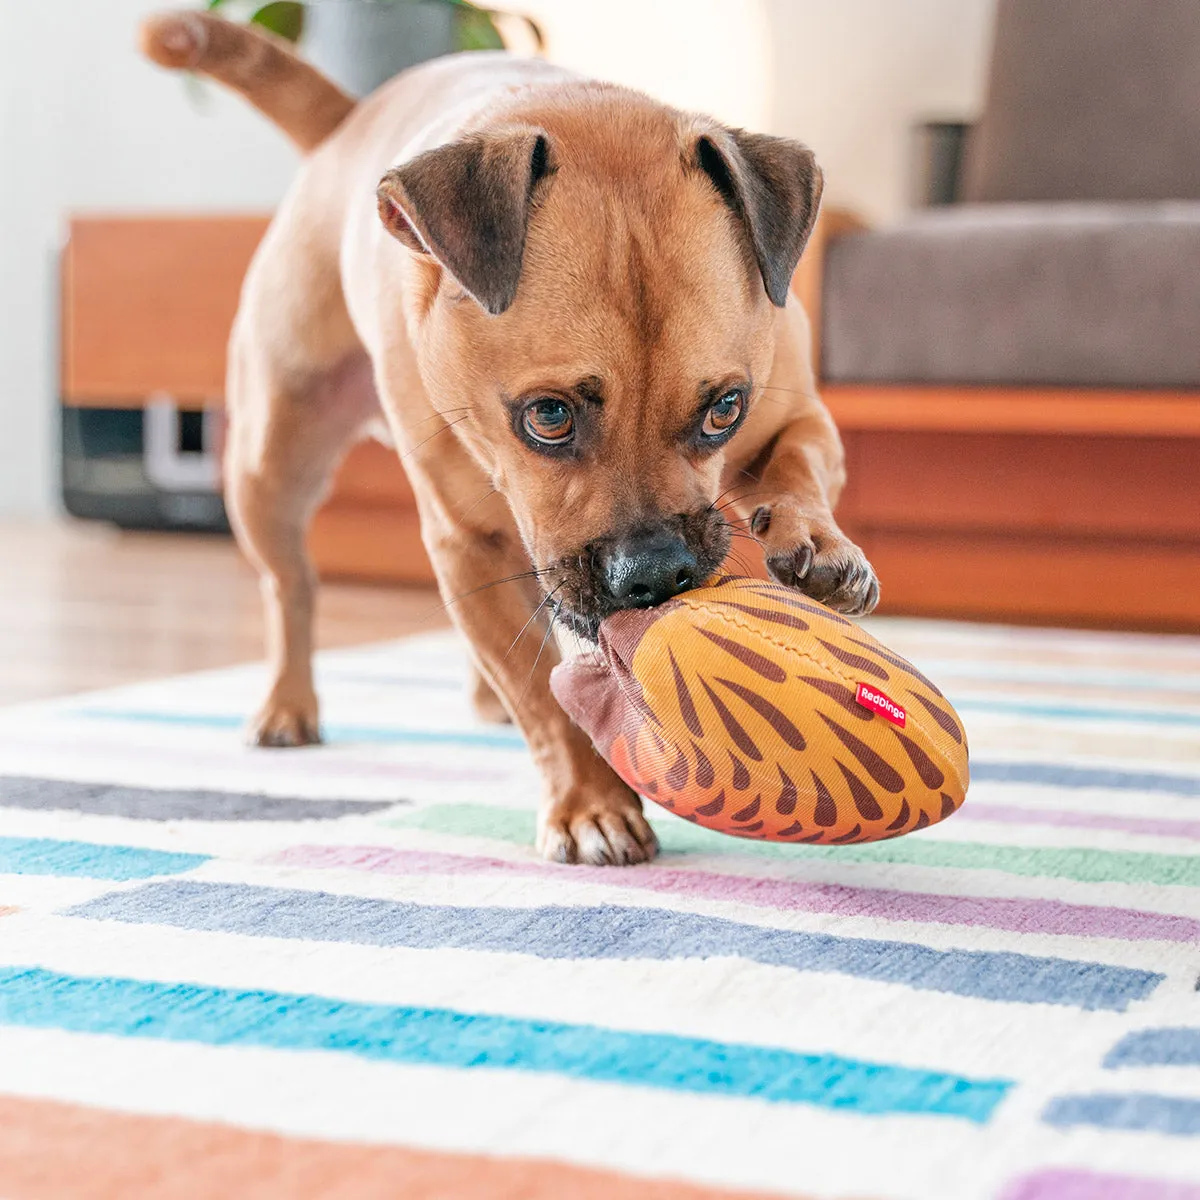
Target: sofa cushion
1060 294
1090 100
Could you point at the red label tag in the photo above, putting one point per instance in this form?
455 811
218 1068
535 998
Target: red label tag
876 701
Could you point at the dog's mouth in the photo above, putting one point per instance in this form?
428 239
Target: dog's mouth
636 568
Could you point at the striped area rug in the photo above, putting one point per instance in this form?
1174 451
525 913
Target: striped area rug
343 971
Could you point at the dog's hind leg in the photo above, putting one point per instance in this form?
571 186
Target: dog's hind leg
485 700
285 439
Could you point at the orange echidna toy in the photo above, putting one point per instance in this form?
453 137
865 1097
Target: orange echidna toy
750 709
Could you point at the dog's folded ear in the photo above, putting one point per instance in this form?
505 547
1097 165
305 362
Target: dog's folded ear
774 186
467 203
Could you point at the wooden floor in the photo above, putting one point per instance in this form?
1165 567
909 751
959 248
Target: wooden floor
86 606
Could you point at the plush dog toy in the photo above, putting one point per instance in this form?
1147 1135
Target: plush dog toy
750 709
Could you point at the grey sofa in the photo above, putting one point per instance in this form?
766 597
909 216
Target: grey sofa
1073 258
1016 373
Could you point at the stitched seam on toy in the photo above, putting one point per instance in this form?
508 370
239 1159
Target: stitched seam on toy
850 680
636 703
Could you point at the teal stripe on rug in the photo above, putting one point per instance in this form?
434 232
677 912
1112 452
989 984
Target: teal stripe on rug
679 837
1013 708
383 734
441 1037
90 860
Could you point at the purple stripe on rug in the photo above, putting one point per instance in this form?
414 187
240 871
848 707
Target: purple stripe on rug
1013 814
993 912
1084 1185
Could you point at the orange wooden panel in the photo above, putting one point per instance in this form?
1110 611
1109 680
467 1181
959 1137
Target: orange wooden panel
369 544
372 474
1014 410
1024 482
381 543
148 303
1029 579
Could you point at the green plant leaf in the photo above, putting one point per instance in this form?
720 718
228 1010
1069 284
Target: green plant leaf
535 30
285 18
477 30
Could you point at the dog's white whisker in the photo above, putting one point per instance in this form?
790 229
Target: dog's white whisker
532 617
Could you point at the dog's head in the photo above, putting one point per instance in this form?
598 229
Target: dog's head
597 288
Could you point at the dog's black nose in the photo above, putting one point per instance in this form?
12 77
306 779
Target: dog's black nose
647 569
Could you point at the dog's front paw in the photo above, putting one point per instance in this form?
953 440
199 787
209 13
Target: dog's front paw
816 557
286 721
602 828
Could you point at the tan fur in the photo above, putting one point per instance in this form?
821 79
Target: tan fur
634 272
301 101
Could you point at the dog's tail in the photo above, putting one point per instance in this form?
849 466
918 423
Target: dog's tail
293 94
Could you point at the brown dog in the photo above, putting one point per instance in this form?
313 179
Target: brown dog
570 306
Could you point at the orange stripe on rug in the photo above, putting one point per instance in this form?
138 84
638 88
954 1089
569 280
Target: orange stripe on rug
49 1150
7 910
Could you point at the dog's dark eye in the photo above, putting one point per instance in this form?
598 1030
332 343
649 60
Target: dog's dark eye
549 422
722 415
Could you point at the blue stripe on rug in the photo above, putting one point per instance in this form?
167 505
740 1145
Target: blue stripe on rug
1144 1112
446 1038
1050 774
1061 775
494 740
1156 1048
174 804
617 932
1079 712
449 683
90 860
1072 676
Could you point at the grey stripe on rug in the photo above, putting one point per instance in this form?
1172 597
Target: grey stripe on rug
174 804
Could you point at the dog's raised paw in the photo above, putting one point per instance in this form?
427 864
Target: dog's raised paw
279 725
817 558
609 831
836 574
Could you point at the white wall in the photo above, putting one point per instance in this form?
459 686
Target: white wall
710 55
84 124
848 77
853 76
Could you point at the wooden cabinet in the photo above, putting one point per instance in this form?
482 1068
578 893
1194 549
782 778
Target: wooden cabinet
1012 504
147 305
368 528
1022 505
